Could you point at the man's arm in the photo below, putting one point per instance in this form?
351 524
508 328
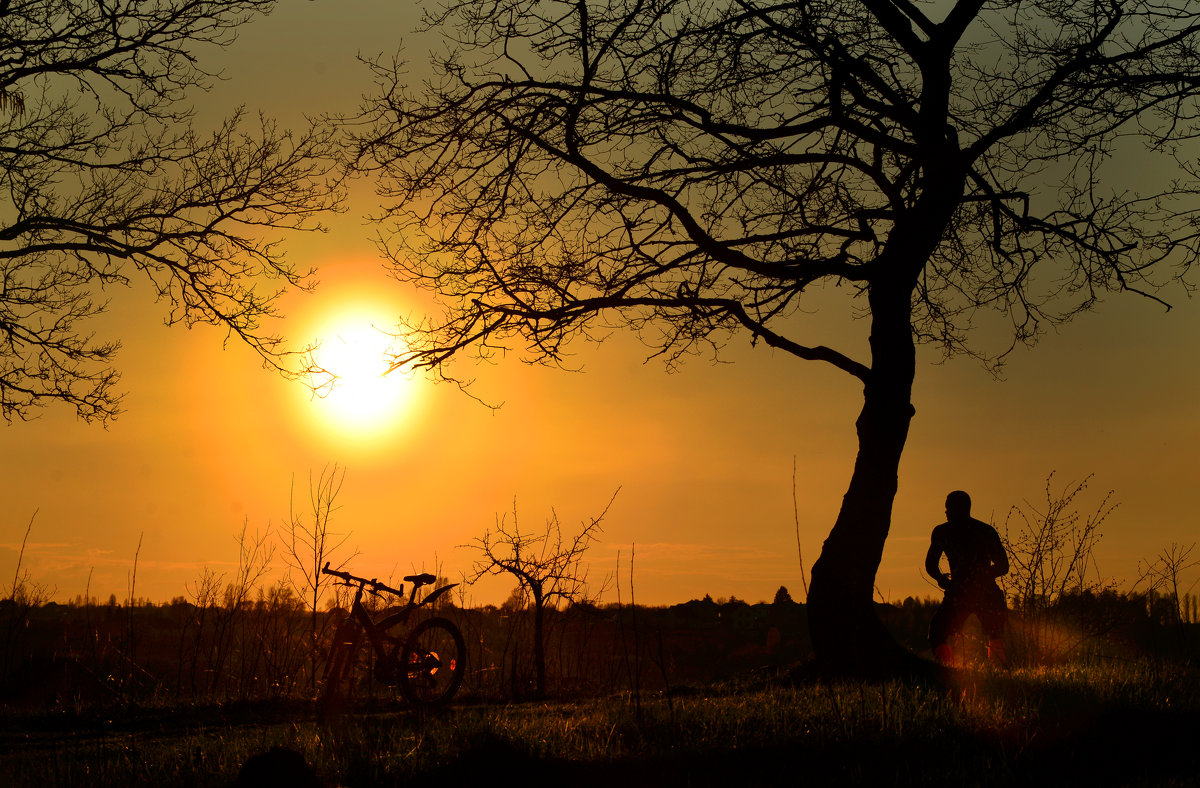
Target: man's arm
999 556
932 558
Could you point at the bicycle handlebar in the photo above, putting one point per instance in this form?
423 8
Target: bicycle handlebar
374 585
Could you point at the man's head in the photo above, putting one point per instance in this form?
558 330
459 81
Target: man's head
958 505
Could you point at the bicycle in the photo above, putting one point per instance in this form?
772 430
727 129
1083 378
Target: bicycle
427 662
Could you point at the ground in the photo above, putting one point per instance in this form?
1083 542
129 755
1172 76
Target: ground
1102 725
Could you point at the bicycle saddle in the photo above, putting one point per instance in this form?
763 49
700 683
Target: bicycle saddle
421 580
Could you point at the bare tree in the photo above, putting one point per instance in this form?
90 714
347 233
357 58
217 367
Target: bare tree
103 179
1053 573
547 567
696 171
205 593
255 553
1165 575
308 544
1051 547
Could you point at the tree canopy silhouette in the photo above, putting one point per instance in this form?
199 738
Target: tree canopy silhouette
696 171
105 179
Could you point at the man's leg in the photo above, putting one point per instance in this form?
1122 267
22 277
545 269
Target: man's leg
992 615
947 621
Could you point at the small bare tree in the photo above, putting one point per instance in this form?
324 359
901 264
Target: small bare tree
1051 550
548 566
205 594
255 554
309 543
1165 574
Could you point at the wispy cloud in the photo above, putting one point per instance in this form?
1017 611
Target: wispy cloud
692 558
33 547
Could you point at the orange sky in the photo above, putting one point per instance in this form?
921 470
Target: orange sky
703 458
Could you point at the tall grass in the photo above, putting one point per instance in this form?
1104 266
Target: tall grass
233 643
1127 725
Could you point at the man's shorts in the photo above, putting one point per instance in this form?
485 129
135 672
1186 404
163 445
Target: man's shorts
985 601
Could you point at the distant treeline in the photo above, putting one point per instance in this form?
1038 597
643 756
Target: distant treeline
88 654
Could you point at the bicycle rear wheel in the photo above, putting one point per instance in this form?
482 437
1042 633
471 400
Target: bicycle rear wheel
342 654
432 663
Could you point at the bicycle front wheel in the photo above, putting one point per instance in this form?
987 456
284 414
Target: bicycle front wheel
432 663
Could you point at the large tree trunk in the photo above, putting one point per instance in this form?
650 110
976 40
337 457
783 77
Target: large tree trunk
847 635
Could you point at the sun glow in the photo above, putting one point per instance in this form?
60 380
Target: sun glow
355 392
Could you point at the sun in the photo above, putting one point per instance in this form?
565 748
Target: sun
356 392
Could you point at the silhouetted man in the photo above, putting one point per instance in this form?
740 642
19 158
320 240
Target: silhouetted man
976 556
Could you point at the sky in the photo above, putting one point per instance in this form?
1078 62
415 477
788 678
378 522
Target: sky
727 475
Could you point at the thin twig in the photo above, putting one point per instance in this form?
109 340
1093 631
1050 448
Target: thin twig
796 518
21 557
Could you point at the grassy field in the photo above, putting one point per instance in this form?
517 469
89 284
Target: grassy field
1118 725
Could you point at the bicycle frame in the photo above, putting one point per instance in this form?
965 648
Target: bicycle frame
424 660
375 630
